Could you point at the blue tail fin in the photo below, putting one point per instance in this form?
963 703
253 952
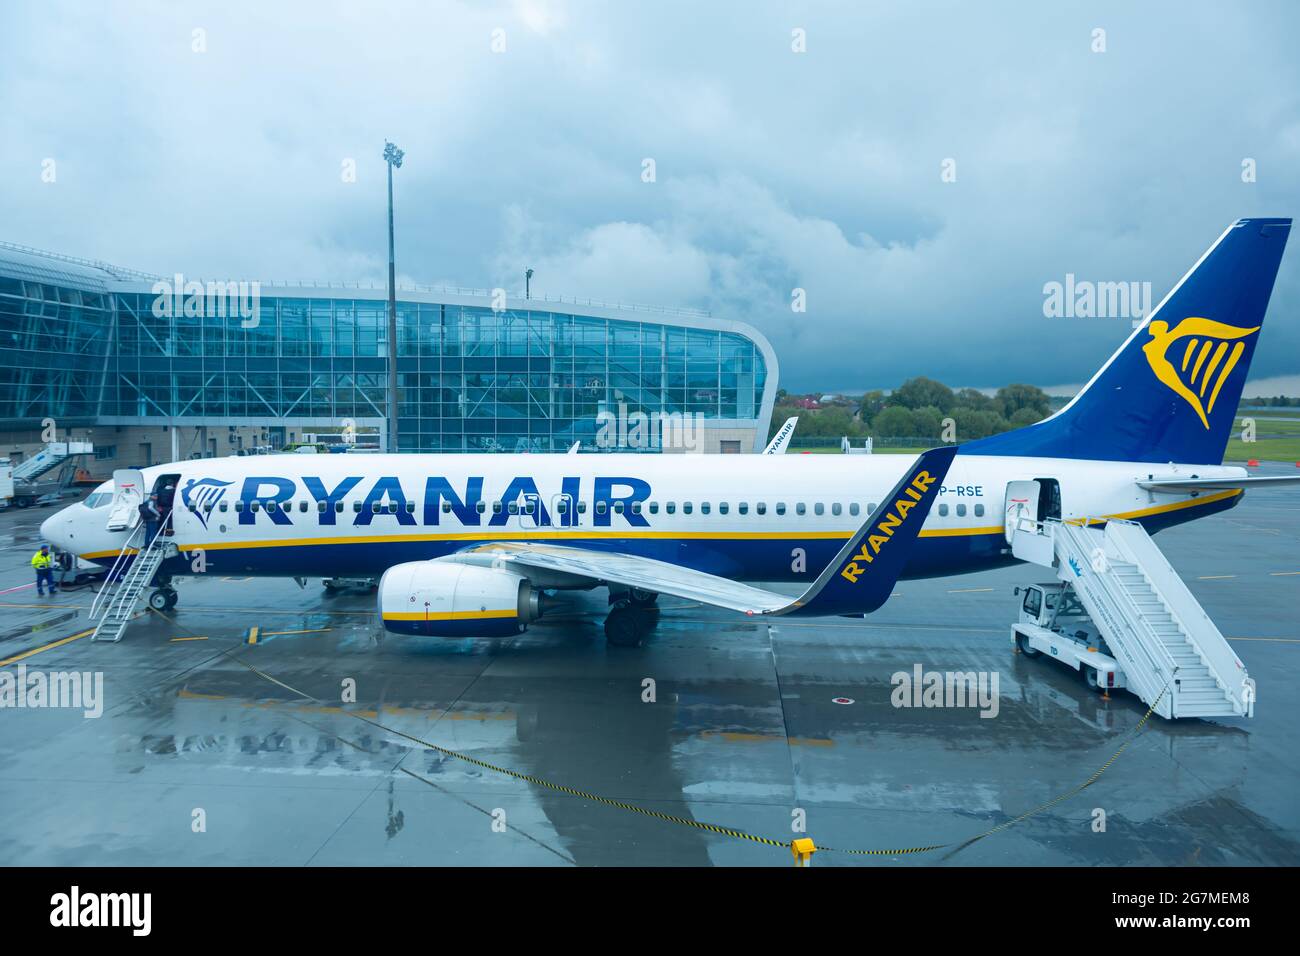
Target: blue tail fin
1171 391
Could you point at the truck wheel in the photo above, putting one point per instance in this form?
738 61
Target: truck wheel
1090 678
1022 642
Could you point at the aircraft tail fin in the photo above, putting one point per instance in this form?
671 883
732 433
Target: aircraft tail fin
1170 393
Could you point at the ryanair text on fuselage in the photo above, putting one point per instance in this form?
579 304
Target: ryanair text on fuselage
270 498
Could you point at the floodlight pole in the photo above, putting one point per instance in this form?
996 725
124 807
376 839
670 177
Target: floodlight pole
393 157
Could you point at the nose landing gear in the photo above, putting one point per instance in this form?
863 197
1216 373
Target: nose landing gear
163 599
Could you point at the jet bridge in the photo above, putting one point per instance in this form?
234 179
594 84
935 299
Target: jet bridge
1158 632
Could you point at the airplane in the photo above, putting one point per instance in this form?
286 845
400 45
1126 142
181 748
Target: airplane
476 545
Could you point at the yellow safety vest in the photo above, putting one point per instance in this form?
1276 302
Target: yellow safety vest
42 561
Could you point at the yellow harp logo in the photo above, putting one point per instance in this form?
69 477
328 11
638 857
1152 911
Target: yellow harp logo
1202 335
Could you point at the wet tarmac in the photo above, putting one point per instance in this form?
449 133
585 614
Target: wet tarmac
198 760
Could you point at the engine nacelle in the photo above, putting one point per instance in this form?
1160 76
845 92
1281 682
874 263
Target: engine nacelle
444 599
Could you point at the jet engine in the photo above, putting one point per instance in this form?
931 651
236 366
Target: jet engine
445 599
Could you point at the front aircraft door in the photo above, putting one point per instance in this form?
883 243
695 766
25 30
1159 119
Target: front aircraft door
1021 506
128 494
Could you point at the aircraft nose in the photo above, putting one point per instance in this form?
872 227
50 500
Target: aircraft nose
54 530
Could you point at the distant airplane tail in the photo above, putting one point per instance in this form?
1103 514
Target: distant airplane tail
1170 392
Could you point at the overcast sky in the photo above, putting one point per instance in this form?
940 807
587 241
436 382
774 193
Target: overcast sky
774 169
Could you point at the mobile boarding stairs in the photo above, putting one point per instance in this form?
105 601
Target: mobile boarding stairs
1157 631
133 572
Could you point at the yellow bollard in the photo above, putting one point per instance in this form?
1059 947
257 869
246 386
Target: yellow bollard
803 849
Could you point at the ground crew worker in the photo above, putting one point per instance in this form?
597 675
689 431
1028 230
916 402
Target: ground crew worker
43 562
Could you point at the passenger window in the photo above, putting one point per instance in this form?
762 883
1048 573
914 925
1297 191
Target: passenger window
582 507
836 509
800 509
618 507
961 511
222 506
636 507
871 508
760 508
253 506
356 507
480 507
270 507
780 507
819 509
302 506
704 507
338 507
943 511
561 507
600 507
671 508
446 507
979 511
530 506
496 507
722 507
320 506
410 507
743 507
513 507
375 507
654 507
853 508
686 507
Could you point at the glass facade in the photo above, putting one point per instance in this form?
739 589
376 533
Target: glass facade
471 378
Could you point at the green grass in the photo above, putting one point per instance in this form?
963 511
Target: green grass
1266 449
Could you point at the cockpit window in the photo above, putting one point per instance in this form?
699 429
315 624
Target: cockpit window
98 499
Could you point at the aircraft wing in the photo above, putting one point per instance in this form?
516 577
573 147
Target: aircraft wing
1179 486
858 581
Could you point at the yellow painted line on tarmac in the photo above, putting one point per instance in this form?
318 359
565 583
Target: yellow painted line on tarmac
178 640
311 630
1215 577
46 647
968 590
1273 640
1282 574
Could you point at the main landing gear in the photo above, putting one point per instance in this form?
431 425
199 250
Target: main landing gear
632 616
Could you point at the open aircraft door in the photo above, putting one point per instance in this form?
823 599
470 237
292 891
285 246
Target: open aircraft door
1021 506
128 495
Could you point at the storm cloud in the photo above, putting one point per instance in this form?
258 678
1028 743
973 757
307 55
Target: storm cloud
528 126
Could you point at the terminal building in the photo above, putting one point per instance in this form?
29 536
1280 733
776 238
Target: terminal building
148 372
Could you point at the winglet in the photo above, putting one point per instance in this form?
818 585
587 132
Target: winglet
863 574
782 438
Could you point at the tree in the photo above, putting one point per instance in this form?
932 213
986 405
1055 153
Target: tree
871 404
1024 416
893 422
975 399
1012 398
921 391
927 422
972 424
